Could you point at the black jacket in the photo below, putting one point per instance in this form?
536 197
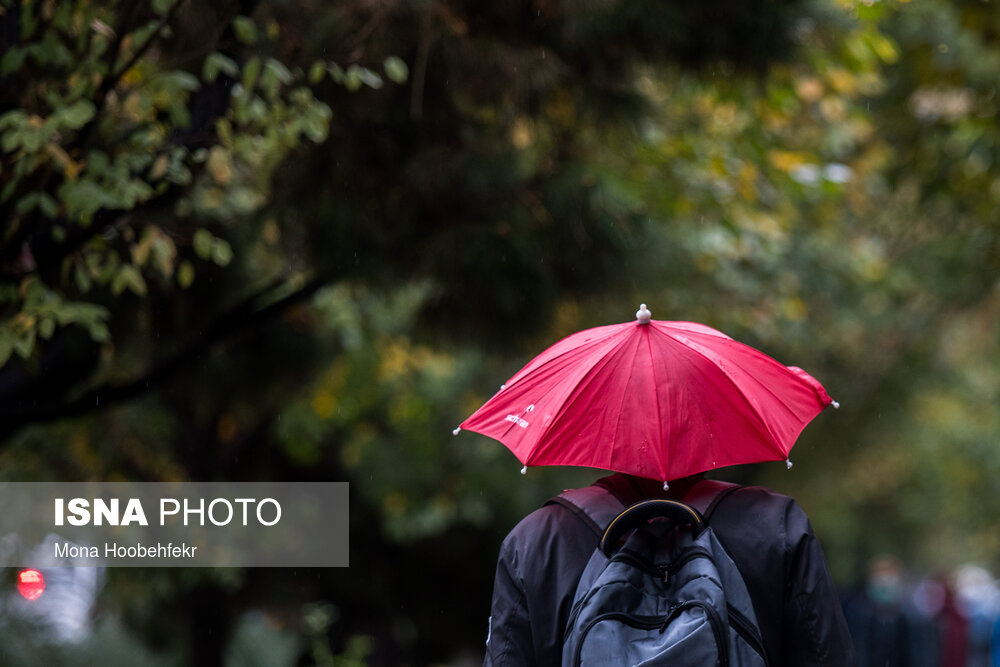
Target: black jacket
767 534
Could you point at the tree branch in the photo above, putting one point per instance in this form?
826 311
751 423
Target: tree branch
242 317
108 84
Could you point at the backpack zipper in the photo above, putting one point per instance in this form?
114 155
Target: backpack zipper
661 572
685 558
745 629
653 622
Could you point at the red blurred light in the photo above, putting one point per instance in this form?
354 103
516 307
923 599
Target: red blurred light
30 584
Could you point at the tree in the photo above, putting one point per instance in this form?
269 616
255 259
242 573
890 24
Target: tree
290 241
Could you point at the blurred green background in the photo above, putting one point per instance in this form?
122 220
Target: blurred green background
300 240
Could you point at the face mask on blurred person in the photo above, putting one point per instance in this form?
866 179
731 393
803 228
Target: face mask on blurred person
884 589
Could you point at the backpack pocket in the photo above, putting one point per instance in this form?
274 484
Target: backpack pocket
692 633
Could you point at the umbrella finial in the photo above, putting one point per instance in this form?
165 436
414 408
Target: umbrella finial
457 431
643 314
524 470
789 464
666 486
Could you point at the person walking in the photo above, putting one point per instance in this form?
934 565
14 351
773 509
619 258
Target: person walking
660 403
766 533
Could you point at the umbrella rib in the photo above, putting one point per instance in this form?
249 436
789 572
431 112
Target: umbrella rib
618 421
591 374
656 393
531 368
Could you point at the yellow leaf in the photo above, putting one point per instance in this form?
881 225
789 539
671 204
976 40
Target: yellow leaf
794 309
522 135
786 160
809 89
271 233
324 404
842 81
140 251
220 165
159 167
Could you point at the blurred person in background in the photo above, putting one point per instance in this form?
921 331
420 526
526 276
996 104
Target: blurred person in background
881 630
977 600
928 601
953 628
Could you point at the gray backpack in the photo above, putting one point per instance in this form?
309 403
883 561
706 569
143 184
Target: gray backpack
660 589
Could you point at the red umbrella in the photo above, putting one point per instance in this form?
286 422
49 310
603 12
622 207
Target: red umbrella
661 400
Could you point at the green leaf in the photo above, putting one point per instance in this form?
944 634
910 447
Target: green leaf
283 74
336 73
25 343
98 331
870 11
46 327
11 141
12 60
352 79
317 72
128 277
16 118
83 198
251 71
245 30
185 275
222 252
884 48
316 128
82 278
218 62
203 242
186 80
358 75
27 203
396 69
76 115
48 206
9 189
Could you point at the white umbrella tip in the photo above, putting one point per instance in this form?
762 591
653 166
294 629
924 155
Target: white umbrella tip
643 315
457 431
835 404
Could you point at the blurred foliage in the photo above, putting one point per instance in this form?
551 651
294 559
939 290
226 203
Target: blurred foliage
28 643
296 240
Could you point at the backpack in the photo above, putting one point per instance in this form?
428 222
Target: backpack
660 588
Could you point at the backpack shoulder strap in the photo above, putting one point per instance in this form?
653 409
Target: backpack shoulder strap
595 506
706 495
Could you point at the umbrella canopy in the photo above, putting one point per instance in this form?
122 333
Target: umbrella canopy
661 400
